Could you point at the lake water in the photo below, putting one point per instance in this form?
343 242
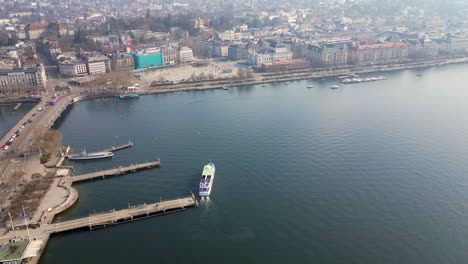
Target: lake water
367 173
8 117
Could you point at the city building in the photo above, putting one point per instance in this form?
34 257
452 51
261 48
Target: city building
328 54
13 252
391 52
122 62
36 30
98 64
201 48
170 55
276 51
421 48
453 45
185 55
24 78
284 65
220 50
241 51
151 57
53 49
73 68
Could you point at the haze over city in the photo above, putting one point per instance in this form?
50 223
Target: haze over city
246 131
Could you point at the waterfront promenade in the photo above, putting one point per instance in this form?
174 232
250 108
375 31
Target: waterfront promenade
292 75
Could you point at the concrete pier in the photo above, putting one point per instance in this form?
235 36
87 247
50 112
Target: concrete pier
115 171
115 217
117 148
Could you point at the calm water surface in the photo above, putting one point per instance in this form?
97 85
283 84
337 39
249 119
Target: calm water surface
8 117
368 173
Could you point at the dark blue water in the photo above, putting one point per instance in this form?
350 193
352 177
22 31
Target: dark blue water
368 173
8 117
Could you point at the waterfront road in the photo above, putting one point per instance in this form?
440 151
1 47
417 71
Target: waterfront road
10 160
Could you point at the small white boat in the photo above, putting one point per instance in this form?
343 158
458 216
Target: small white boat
334 87
310 86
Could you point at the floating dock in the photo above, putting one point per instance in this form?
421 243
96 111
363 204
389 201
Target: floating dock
115 171
115 217
117 148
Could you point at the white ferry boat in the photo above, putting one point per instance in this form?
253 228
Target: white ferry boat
89 156
206 182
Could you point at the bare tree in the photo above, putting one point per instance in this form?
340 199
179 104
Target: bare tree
45 140
241 73
248 73
113 81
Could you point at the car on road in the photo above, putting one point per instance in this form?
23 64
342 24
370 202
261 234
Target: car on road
9 142
21 127
34 114
39 109
4 147
29 121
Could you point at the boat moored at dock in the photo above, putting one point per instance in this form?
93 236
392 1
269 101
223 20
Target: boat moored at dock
360 80
126 96
90 156
206 182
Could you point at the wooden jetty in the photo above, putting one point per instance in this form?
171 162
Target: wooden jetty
115 217
115 171
116 148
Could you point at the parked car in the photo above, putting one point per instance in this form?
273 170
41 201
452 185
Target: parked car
39 109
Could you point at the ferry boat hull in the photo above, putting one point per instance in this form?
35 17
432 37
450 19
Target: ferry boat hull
91 156
206 182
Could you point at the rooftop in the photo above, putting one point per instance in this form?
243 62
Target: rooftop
97 58
12 251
